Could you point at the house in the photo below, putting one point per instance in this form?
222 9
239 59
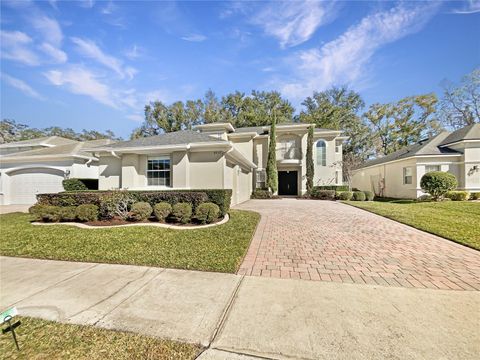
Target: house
218 156
40 165
398 174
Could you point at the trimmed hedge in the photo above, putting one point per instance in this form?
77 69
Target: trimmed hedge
220 197
262 194
182 212
140 211
323 194
475 196
358 196
87 212
369 195
74 185
458 195
344 195
162 210
332 187
68 213
46 213
207 213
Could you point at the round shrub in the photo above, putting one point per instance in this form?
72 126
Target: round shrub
74 185
68 213
207 213
322 194
162 210
87 212
475 196
49 213
358 196
182 212
458 195
140 211
345 195
438 183
35 210
369 195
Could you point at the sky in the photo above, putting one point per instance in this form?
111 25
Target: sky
95 64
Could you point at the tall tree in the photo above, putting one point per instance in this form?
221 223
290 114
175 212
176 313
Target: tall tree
213 111
338 108
396 125
309 160
460 105
271 170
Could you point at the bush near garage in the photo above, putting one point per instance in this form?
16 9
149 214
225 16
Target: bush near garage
458 195
87 212
74 185
344 195
475 196
358 196
207 213
46 213
182 212
68 213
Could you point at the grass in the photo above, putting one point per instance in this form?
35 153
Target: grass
219 248
454 220
40 339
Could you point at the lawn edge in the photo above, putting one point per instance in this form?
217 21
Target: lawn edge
413 227
251 239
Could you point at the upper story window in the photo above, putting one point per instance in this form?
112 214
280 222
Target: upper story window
407 175
321 153
158 171
430 168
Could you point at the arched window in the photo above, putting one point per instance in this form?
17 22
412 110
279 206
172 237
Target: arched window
321 153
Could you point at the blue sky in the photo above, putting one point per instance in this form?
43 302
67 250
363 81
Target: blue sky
95 64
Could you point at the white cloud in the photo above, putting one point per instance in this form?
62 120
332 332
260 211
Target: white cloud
54 53
49 28
89 49
194 38
15 45
345 59
79 80
469 7
21 85
295 22
134 53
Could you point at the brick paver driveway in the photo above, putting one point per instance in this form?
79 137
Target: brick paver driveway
330 241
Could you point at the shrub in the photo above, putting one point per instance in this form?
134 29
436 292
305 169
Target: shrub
333 187
358 196
162 210
87 212
369 195
458 195
73 185
68 213
438 183
344 195
140 211
116 204
262 194
49 213
35 210
207 212
182 212
323 194
475 196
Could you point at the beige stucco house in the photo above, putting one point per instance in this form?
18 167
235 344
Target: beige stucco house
398 174
218 156
36 166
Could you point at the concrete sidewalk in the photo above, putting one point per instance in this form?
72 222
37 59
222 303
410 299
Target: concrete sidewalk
242 317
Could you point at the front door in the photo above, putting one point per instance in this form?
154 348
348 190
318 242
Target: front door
287 183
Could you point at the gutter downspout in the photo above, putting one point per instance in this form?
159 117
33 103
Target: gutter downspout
114 154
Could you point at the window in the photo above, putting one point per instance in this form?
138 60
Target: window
158 172
261 179
338 147
321 153
407 175
430 168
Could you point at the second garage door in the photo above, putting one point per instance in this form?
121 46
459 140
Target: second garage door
26 184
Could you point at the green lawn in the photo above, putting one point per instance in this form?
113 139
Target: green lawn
219 248
455 220
40 339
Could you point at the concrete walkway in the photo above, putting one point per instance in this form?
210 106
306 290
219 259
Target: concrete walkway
240 317
331 241
6 209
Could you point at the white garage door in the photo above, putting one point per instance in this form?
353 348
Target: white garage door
26 184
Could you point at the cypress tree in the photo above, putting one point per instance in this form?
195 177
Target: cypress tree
310 165
272 176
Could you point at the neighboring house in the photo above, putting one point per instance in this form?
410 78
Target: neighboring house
40 165
218 156
398 174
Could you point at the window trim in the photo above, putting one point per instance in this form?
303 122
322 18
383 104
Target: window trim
439 167
161 157
324 155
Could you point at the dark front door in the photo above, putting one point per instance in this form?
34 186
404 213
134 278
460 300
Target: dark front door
287 183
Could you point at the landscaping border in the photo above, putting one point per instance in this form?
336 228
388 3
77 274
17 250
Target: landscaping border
225 219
